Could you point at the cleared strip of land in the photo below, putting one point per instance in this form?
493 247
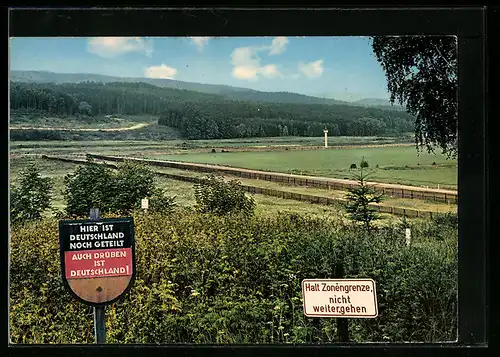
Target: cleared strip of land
403 191
284 194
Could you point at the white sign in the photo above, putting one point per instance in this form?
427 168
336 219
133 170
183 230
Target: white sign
408 236
340 298
144 203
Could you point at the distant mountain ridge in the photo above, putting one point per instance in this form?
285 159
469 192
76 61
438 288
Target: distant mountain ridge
230 92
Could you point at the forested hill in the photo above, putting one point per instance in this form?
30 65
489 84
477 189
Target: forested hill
229 92
202 115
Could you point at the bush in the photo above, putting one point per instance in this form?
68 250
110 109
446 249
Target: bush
353 166
90 186
160 202
215 195
32 197
96 186
132 182
363 164
211 279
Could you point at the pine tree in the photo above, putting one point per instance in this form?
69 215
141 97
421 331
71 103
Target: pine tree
31 197
360 197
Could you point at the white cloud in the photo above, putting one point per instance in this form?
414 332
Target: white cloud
270 71
278 45
109 47
312 69
247 64
200 41
162 71
245 73
245 56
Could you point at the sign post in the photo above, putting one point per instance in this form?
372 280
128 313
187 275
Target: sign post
99 311
97 262
342 324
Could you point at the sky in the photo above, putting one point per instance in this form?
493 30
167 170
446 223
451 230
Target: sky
343 68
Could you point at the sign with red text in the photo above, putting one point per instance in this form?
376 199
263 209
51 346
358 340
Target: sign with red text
340 298
97 258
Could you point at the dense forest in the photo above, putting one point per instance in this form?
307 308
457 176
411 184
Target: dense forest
204 116
228 92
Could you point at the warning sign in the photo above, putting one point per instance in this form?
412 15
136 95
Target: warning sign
340 298
97 258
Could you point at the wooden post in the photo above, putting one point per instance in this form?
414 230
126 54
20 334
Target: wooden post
342 323
99 311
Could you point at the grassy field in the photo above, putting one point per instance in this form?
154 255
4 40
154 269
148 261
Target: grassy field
423 205
184 192
188 146
399 164
395 164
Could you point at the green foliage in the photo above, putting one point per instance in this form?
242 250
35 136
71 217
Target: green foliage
96 186
132 182
363 164
439 225
215 195
360 197
31 197
84 108
421 74
161 202
222 119
89 186
237 279
205 116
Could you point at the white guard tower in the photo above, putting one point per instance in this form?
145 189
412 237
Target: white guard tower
326 137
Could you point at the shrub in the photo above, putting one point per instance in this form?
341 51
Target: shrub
363 164
160 202
211 279
215 195
32 197
89 186
95 185
353 166
132 182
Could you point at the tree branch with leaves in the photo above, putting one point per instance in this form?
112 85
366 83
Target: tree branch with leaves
421 74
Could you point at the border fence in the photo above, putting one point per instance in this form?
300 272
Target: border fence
408 212
437 195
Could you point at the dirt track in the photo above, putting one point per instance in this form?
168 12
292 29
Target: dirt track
133 127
